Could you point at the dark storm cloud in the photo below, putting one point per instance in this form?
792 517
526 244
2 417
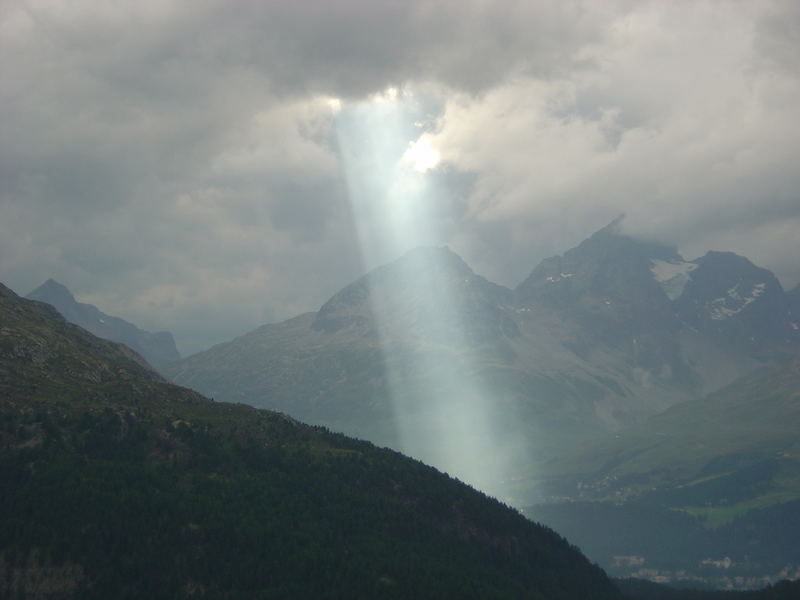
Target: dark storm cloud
175 162
165 159
355 47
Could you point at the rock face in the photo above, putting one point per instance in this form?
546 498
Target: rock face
612 332
737 303
157 348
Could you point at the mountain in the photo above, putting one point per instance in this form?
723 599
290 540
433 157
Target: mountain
612 332
117 484
794 307
752 425
738 303
681 325
476 310
708 488
388 348
157 348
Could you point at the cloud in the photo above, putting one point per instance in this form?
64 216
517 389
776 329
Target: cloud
680 128
176 162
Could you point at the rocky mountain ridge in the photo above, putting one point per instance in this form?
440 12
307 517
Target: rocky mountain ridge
612 332
157 348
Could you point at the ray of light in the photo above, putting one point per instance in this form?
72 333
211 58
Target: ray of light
442 410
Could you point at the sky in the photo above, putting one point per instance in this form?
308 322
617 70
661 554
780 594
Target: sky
192 165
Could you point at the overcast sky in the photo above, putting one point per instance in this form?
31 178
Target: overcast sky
189 165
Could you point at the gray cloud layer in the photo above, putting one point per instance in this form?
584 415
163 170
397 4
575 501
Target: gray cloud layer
176 164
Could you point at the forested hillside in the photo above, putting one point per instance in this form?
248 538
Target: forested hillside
117 485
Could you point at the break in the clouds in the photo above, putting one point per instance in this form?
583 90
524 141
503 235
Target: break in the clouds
179 163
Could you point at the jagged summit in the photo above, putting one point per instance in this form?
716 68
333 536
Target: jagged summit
614 236
157 348
610 265
607 286
620 289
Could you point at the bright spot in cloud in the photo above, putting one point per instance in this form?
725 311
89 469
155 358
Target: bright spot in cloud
390 94
335 104
421 155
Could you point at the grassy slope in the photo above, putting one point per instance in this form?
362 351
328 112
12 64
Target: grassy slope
736 450
704 480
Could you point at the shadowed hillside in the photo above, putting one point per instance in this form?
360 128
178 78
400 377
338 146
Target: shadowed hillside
118 485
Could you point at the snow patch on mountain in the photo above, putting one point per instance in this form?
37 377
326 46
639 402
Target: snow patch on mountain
733 303
556 278
672 275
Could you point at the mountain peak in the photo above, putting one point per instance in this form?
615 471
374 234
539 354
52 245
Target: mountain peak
53 292
729 261
610 266
613 238
729 295
426 281
424 262
613 228
434 261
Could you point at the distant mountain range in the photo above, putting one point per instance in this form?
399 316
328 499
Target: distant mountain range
157 348
117 484
614 331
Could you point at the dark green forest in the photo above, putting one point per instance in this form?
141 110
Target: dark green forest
140 508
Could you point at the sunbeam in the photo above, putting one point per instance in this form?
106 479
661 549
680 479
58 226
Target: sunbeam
441 410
